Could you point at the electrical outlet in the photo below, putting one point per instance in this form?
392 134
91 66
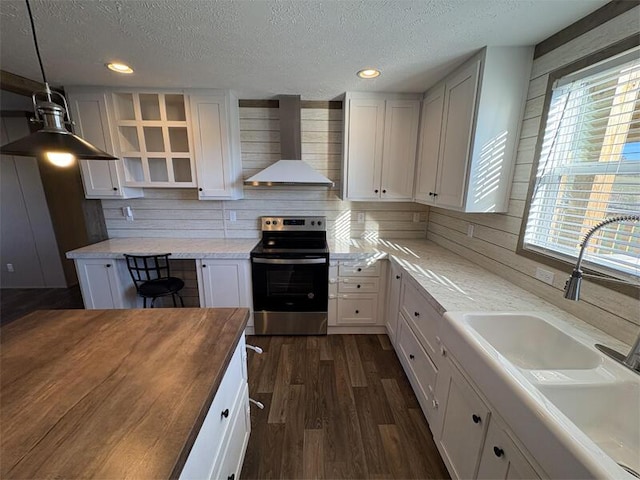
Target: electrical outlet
127 212
10 267
232 216
416 217
470 228
360 217
544 275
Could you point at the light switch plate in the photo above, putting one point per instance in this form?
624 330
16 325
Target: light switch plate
470 228
232 216
545 276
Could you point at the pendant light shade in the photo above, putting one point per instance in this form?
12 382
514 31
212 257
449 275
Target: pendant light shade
53 141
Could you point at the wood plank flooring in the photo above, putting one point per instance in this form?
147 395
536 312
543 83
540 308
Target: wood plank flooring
17 302
337 406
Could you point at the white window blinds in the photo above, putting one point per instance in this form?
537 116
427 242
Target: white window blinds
589 168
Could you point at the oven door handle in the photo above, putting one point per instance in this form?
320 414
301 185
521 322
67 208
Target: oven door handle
290 261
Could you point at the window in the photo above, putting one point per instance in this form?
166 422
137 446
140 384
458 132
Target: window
589 168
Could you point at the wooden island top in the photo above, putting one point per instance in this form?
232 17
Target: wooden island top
110 393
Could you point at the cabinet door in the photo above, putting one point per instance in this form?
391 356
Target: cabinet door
455 143
209 119
501 458
89 112
430 130
399 152
364 150
464 425
357 309
393 301
99 283
224 283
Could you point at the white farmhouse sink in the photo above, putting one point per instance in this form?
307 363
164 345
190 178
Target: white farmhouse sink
608 414
529 342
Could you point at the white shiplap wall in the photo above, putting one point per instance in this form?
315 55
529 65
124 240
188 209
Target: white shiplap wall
496 235
178 212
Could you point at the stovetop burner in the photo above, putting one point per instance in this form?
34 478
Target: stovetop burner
288 236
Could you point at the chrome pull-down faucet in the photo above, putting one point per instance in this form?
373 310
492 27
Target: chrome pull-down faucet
572 292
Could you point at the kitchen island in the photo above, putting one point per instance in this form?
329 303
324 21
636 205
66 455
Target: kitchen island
117 393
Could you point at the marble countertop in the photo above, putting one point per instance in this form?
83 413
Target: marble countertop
451 282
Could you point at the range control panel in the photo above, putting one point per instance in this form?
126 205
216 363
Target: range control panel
293 224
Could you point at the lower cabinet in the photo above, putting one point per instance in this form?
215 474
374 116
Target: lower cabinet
225 283
393 300
101 283
219 448
355 296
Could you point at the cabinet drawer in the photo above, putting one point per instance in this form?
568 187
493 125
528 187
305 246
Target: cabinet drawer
215 427
353 269
229 462
357 309
359 285
420 369
422 316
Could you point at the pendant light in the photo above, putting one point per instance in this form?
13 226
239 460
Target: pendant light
53 141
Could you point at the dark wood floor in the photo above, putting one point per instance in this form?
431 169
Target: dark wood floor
18 302
338 406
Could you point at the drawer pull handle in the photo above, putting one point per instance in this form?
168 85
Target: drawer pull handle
476 418
115 189
375 191
108 265
357 311
384 191
397 277
225 413
254 348
498 451
204 266
358 286
417 314
232 477
359 269
412 356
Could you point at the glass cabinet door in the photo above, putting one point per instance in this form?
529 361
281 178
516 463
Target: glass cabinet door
153 139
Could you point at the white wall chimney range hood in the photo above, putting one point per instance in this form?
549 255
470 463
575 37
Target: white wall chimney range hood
289 172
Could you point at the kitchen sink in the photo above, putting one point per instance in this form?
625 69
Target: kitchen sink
608 414
531 343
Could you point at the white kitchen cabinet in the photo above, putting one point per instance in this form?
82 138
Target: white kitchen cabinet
380 139
393 300
465 419
219 448
225 283
355 296
216 138
100 178
501 459
102 285
151 132
422 317
471 149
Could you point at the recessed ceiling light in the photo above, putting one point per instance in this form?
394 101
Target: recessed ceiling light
119 67
369 73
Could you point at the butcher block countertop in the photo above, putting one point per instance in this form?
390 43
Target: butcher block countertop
110 393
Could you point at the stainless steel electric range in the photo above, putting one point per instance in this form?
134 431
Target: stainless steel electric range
290 270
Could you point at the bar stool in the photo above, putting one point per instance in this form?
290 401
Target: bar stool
151 275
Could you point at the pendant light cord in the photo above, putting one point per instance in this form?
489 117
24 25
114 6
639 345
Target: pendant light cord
35 41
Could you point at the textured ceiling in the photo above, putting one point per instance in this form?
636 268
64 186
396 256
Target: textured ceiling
262 48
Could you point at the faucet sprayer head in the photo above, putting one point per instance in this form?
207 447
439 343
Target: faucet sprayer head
572 286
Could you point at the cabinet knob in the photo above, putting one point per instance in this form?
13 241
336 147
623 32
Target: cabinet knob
225 413
232 477
416 314
200 189
498 451
476 418
357 311
397 277
115 189
375 191
359 269
431 194
108 265
358 286
412 356
435 194
204 266
384 191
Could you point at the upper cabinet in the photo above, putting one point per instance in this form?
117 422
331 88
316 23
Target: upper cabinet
101 178
469 132
215 120
380 138
169 139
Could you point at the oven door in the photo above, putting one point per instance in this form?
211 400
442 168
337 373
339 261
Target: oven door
290 295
